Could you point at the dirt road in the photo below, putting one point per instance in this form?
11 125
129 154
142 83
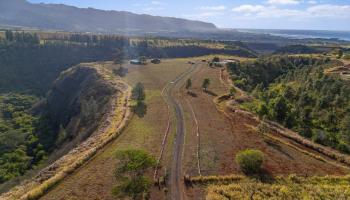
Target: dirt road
176 182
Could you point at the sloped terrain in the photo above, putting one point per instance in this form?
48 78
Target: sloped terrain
86 82
69 18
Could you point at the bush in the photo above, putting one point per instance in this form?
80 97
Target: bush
250 161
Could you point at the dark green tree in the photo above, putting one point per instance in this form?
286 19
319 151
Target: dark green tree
250 160
119 57
131 168
188 84
233 91
279 109
138 93
9 35
340 53
205 84
216 59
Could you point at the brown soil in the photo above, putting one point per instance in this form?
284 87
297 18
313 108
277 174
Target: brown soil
222 137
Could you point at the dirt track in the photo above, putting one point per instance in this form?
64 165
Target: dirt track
176 182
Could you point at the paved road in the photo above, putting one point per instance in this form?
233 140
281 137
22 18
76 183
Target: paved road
176 181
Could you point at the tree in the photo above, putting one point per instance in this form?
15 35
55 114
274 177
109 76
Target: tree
9 35
216 59
262 110
188 84
138 92
280 109
131 167
340 53
206 83
233 91
121 71
250 160
119 57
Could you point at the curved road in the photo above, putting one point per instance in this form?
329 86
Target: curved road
176 182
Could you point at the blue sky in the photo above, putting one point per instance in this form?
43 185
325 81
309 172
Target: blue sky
276 14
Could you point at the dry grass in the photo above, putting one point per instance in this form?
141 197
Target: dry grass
291 187
95 180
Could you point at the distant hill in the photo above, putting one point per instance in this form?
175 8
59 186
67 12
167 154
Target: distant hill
69 18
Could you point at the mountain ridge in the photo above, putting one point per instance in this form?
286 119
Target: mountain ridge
70 18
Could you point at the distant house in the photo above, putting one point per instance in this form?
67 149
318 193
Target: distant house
155 61
135 62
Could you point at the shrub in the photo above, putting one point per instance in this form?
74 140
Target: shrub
250 161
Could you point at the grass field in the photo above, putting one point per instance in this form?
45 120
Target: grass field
95 180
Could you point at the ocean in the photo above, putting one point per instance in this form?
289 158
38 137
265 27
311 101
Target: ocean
302 34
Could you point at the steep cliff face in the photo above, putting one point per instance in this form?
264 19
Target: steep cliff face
77 102
89 107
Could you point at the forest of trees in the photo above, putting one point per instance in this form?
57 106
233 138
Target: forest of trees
296 92
21 136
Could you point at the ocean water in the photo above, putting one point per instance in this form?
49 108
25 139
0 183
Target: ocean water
302 34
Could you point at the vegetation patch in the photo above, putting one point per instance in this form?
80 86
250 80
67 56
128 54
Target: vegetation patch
291 187
250 160
295 92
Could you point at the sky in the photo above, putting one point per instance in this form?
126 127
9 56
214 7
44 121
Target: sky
259 14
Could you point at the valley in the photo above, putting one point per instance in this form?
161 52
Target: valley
96 109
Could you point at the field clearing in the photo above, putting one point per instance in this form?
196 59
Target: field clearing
222 137
95 180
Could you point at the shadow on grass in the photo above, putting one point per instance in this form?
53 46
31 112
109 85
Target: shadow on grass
263 176
278 148
210 93
192 94
140 109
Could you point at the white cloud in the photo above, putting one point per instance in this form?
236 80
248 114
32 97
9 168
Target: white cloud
283 2
312 2
156 3
328 10
316 11
249 8
203 15
213 8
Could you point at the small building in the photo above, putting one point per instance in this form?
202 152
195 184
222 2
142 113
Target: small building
155 61
135 62
223 63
